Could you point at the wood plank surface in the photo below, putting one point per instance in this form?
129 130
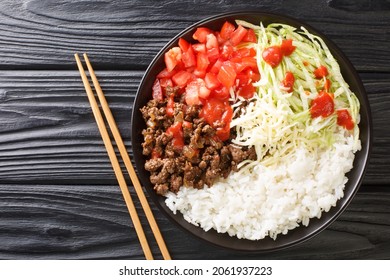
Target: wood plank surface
128 34
58 194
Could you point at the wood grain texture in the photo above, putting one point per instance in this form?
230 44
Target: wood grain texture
58 194
128 34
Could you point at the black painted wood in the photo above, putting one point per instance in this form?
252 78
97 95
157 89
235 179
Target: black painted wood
58 195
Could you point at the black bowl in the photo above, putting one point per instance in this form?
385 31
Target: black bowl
302 233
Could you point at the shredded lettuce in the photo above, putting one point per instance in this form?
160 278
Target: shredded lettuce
276 122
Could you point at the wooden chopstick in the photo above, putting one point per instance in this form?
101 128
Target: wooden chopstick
126 159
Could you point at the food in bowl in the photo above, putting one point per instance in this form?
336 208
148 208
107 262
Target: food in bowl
251 129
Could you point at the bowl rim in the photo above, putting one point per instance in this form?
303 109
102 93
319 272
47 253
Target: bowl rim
365 152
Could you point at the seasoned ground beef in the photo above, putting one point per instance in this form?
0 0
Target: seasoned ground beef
200 160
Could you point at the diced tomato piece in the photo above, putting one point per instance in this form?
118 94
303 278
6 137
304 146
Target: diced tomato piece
187 124
166 82
202 61
155 153
176 130
272 55
218 114
201 34
188 57
344 119
199 48
227 75
250 36
238 35
192 94
216 66
204 92
247 91
157 93
249 62
221 93
213 54
170 106
246 52
243 79
181 78
288 81
253 75
227 52
172 58
321 72
183 44
287 47
166 74
211 81
211 41
227 30
199 73
322 105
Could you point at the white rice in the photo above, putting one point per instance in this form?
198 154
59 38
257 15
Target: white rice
268 201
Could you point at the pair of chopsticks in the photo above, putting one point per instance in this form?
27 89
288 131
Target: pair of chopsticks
126 159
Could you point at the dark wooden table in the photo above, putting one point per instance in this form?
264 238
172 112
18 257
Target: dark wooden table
59 198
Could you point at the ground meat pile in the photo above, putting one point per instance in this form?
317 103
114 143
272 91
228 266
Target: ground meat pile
201 160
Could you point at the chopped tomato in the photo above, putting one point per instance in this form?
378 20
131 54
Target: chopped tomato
273 55
246 52
250 36
288 81
213 54
253 75
221 93
247 91
322 105
202 62
321 72
172 58
227 75
199 48
227 52
157 93
156 153
188 57
249 62
192 94
176 130
218 114
211 81
216 66
166 74
211 41
183 44
344 119
170 106
238 35
287 47
166 82
181 78
227 30
201 34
